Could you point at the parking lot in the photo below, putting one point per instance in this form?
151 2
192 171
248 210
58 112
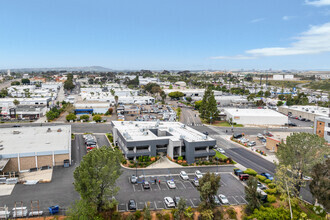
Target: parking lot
230 186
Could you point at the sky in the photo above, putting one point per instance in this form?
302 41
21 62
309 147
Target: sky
168 34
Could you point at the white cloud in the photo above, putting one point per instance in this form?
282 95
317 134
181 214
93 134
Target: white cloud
318 3
238 57
257 20
315 40
286 17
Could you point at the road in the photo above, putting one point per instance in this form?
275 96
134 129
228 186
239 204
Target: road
190 117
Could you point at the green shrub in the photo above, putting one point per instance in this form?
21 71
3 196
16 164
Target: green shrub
124 162
271 198
272 185
267 181
250 172
159 215
236 169
271 191
232 213
167 216
261 178
138 214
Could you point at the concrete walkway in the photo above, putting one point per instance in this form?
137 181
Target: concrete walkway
164 162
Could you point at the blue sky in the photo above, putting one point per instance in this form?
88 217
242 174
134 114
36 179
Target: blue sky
171 34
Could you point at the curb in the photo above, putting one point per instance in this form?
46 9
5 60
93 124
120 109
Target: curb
211 166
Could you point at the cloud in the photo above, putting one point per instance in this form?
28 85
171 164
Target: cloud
257 20
318 3
286 18
315 40
237 57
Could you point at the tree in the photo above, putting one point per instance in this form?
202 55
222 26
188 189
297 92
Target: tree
208 188
95 177
320 184
208 109
97 118
25 81
189 99
163 96
3 93
15 83
181 207
267 94
146 212
251 195
207 214
71 117
270 213
16 102
302 151
84 117
170 87
198 104
82 209
68 85
175 95
110 111
279 103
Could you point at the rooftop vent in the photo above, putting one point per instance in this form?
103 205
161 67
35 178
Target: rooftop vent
204 137
183 126
170 129
182 136
136 125
59 130
49 130
16 132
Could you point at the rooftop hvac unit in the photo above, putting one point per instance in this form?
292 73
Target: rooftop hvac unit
182 137
170 129
204 137
136 125
59 130
183 126
49 130
131 122
145 133
142 129
16 132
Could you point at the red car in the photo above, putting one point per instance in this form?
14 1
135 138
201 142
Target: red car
243 176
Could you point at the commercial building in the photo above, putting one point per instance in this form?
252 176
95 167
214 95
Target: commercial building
322 127
273 142
162 138
23 148
195 94
307 112
231 100
265 117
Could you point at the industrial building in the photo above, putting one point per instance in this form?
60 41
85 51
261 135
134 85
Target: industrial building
265 117
24 148
322 127
162 138
307 112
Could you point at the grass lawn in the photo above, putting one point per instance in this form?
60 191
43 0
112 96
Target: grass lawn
226 124
220 155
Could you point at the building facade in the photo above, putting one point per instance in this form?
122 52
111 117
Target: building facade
322 127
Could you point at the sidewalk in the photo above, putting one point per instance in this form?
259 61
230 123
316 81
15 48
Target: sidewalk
164 162
270 158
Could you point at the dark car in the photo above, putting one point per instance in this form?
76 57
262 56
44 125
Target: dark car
146 185
237 136
267 175
243 176
131 204
176 200
16 126
238 172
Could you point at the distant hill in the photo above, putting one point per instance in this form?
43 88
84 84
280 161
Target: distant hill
69 69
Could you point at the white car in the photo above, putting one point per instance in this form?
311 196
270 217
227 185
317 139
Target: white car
223 199
171 184
169 202
198 174
184 175
220 150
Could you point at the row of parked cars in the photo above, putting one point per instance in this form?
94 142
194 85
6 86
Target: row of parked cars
90 142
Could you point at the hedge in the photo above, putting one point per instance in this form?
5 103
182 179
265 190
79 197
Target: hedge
250 172
267 181
261 178
271 191
272 185
271 198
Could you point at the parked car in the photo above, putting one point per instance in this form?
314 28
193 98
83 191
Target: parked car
184 175
134 179
267 133
260 136
195 182
176 200
237 136
243 176
267 175
263 140
252 143
146 185
244 140
261 186
198 174
169 202
171 184
216 200
237 172
131 204
221 150
223 199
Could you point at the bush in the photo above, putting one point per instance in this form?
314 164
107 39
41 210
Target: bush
84 117
271 191
97 118
159 215
271 198
71 117
261 178
138 214
167 216
267 181
232 213
272 185
250 172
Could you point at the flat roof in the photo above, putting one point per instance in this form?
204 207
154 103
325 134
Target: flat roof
136 131
35 139
253 112
317 110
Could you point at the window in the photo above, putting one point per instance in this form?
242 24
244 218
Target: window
328 133
319 131
329 125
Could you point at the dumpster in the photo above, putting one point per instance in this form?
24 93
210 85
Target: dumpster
54 209
66 163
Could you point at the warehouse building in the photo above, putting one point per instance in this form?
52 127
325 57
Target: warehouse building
265 117
322 127
162 138
24 148
307 112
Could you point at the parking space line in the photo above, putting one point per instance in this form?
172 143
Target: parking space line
224 184
244 200
235 200
133 187
142 187
192 203
127 207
